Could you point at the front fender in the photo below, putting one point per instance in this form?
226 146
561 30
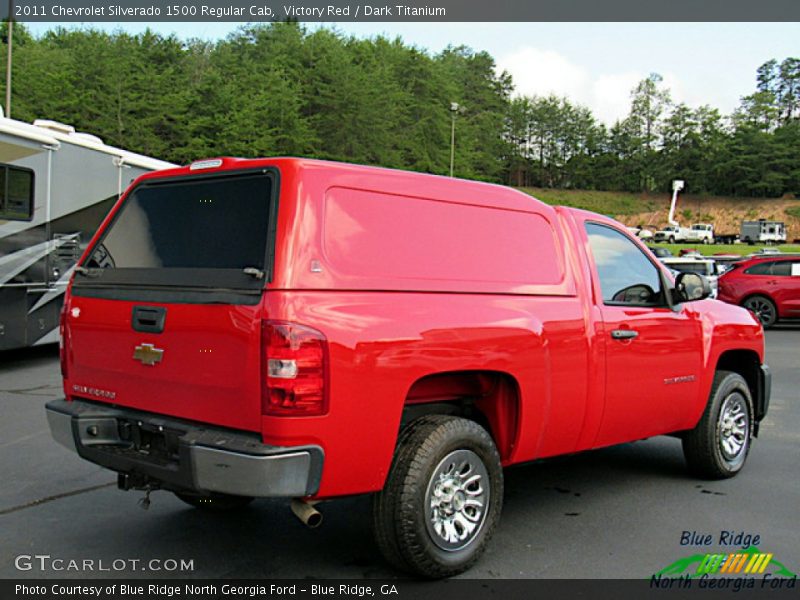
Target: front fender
731 333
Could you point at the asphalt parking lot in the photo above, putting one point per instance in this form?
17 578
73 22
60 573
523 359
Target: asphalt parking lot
613 513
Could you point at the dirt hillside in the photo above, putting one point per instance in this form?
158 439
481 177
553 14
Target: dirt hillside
726 214
651 210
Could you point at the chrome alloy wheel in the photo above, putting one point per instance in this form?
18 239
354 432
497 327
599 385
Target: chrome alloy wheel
733 428
457 500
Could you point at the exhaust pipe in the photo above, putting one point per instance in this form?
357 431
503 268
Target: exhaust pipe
306 512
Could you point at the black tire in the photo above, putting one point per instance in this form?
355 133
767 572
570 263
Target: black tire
672 239
717 447
763 308
214 502
439 456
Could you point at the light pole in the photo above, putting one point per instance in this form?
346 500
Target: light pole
453 110
8 57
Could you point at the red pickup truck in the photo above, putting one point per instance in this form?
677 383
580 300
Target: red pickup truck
306 329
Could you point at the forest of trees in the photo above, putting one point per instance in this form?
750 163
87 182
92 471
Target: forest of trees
280 89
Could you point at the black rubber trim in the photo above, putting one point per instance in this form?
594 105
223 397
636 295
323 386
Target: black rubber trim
764 392
186 278
170 295
173 475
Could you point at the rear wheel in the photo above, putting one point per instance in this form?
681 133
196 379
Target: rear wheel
215 502
718 446
442 498
764 309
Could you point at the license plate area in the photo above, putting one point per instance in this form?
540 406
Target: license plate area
155 442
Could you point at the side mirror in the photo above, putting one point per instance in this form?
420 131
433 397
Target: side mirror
690 287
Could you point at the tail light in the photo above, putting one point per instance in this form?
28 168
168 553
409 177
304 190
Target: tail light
294 370
63 340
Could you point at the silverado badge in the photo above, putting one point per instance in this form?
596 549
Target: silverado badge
148 354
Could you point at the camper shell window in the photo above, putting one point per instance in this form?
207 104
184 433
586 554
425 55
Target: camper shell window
16 193
210 232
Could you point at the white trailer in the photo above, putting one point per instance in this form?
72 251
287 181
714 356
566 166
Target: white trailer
56 186
763 231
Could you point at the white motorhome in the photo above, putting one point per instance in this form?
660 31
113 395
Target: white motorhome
56 186
770 232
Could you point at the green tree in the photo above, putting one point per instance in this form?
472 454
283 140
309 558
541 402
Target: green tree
483 96
518 128
649 102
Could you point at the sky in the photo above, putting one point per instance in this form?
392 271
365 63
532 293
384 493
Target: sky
593 64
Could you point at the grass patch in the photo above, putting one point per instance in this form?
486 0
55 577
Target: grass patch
612 204
743 249
793 211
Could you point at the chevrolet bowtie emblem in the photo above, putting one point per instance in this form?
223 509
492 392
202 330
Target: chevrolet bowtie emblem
148 354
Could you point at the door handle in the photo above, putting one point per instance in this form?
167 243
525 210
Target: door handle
624 334
148 319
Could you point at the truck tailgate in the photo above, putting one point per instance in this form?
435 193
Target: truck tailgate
195 368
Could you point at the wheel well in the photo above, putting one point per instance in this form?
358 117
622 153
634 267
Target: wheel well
746 364
757 294
490 398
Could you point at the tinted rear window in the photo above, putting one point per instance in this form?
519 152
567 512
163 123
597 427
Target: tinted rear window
214 235
216 223
770 268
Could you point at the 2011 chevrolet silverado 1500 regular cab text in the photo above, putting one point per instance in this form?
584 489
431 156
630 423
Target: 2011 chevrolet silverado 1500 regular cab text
310 330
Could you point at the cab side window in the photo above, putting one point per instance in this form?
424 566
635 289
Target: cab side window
627 277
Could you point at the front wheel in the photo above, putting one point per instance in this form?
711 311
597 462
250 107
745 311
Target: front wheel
718 446
763 308
442 498
672 239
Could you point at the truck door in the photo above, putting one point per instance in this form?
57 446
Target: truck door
784 287
653 353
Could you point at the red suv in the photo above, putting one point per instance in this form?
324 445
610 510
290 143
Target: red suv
768 285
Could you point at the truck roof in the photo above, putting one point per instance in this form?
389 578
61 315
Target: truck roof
408 183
